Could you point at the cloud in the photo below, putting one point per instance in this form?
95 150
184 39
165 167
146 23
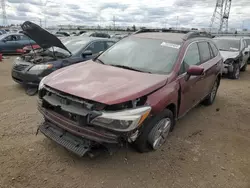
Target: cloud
157 13
73 6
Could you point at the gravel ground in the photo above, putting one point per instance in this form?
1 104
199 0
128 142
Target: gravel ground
210 147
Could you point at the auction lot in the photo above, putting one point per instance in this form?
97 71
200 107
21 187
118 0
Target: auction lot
210 147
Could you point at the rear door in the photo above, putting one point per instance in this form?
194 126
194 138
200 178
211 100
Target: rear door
190 91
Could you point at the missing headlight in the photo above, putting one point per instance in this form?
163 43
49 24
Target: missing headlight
127 105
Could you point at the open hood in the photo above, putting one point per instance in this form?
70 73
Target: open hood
42 37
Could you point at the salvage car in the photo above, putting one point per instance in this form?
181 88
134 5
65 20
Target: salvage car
235 53
134 92
11 43
29 69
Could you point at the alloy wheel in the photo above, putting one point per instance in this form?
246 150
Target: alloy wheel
159 133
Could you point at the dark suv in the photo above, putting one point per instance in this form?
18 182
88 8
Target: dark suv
133 92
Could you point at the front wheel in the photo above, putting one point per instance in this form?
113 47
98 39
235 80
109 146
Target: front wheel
235 74
209 100
155 132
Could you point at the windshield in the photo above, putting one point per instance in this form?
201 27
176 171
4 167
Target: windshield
227 44
74 46
146 55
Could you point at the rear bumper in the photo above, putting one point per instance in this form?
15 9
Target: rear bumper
25 78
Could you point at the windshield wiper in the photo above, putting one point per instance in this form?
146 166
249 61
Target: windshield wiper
129 68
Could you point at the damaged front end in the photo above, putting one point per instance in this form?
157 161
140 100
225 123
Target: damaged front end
83 126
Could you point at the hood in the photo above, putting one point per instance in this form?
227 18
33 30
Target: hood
42 37
103 83
228 54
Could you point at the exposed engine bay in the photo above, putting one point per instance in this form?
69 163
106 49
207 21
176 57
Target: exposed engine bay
42 56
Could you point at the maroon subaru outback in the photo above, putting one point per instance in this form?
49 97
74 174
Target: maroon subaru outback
134 92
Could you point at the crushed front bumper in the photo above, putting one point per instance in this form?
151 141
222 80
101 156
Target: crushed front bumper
77 145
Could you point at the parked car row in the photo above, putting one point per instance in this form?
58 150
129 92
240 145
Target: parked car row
235 53
134 91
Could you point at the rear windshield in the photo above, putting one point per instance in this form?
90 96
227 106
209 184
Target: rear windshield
227 44
146 55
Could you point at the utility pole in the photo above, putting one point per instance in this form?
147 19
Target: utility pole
114 22
165 24
177 20
40 20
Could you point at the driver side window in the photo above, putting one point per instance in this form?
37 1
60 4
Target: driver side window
96 47
192 57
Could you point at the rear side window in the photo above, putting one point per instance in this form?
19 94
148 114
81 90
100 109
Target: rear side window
214 48
192 57
204 51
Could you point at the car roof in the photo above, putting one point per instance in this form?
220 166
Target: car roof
229 38
178 37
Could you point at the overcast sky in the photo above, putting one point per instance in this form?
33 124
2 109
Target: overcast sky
190 13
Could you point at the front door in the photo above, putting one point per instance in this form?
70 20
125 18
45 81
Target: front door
190 89
245 53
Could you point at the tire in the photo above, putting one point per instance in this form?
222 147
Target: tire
149 130
244 68
209 100
236 72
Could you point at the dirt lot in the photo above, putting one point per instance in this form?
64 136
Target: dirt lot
210 147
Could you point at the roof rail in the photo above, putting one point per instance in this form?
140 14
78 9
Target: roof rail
146 30
189 34
193 34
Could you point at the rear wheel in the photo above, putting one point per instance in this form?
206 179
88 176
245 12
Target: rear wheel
209 100
155 132
236 72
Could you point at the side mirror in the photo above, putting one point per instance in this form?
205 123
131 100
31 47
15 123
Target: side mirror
4 40
87 53
195 71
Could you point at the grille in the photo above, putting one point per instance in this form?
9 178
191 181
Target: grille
20 67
